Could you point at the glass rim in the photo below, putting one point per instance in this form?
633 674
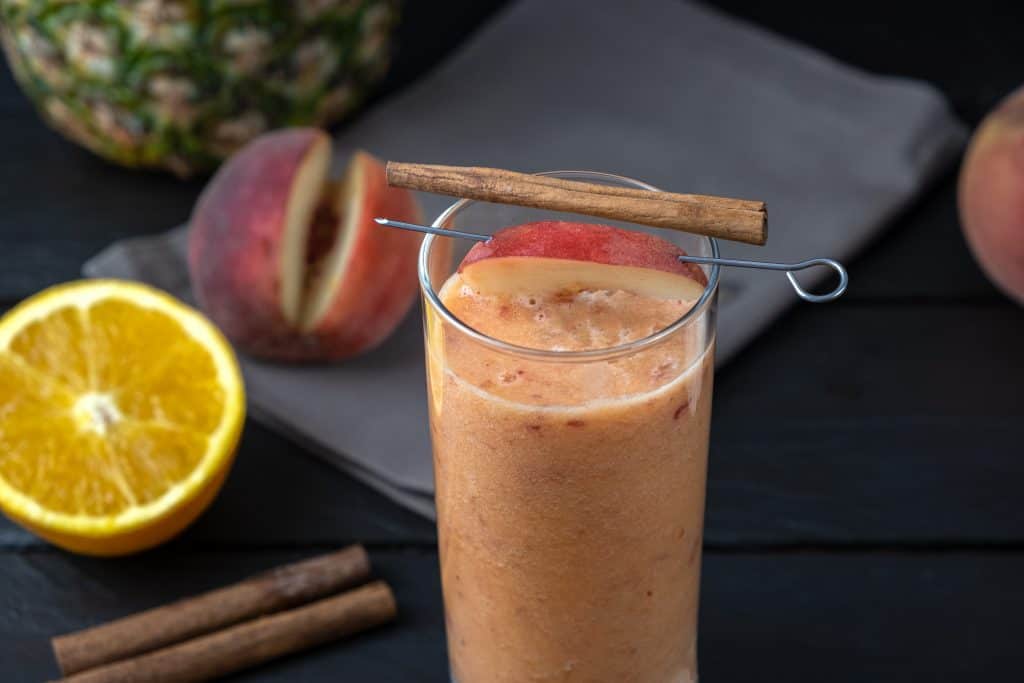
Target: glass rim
693 313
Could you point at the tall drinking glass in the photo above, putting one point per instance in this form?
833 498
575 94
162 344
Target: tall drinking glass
570 484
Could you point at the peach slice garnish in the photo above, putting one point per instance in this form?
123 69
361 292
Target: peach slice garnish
557 256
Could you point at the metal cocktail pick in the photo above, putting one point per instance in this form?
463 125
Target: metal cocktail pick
788 268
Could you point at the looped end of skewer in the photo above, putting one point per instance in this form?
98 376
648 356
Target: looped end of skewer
789 269
844 280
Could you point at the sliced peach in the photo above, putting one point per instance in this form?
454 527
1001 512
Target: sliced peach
362 287
554 256
290 263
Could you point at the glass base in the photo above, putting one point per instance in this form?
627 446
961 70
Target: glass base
451 678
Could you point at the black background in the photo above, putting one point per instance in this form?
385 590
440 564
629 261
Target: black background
865 513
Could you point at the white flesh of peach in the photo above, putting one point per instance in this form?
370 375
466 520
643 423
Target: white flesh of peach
539 275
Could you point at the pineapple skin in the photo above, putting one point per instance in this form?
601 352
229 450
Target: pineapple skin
181 84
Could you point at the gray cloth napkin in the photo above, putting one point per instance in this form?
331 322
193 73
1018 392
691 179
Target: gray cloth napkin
666 91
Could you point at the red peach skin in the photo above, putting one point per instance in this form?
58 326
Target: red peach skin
585 242
991 195
238 230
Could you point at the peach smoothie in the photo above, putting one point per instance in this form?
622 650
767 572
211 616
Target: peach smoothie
570 491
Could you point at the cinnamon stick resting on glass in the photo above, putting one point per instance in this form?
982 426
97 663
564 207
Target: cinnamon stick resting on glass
738 220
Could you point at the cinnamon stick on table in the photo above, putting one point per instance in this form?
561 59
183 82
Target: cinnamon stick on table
731 219
253 642
275 590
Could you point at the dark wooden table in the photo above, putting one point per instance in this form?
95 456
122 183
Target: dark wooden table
866 517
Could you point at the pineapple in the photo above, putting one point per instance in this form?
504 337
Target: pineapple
180 84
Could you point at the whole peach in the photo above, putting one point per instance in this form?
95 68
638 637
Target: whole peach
991 195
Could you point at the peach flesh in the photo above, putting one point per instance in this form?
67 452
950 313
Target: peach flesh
323 235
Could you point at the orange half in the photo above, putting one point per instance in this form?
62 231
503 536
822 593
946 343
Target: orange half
120 411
